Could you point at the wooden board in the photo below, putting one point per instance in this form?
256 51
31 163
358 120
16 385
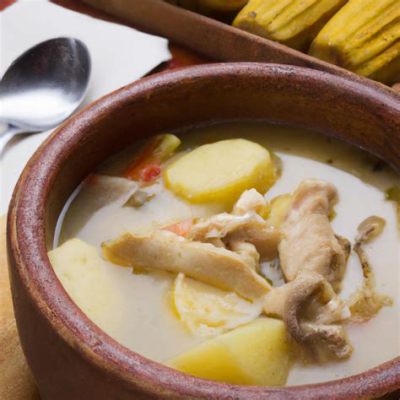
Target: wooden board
16 382
213 38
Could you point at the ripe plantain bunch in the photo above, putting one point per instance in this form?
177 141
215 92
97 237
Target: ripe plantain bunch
291 22
360 35
364 37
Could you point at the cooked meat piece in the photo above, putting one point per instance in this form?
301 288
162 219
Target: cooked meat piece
248 252
366 302
302 288
297 307
275 300
292 301
265 239
336 310
223 250
309 242
313 260
369 229
224 224
333 337
250 201
285 301
244 224
167 251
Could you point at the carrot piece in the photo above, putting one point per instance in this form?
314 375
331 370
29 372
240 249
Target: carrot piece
92 179
181 228
135 168
146 167
150 172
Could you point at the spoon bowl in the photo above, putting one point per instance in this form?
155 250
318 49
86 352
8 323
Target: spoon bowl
44 85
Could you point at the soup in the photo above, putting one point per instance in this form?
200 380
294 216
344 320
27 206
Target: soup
240 252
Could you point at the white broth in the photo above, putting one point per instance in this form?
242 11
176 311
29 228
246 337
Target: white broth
142 319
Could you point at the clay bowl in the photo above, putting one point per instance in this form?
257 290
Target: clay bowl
70 357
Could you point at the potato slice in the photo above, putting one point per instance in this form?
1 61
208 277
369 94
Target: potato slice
208 311
255 354
83 274
221 171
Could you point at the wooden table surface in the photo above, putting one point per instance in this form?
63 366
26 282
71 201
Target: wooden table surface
16 382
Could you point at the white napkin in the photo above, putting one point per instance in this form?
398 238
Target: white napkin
119 56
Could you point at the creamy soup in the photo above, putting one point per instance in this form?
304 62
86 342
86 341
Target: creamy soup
138 306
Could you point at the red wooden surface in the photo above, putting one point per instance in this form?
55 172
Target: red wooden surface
5 3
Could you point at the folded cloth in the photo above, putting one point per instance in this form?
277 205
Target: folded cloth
119 56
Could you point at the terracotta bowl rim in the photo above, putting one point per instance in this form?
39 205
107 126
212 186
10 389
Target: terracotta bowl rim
39 279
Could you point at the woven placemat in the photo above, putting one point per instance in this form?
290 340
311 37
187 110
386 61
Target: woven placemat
16 382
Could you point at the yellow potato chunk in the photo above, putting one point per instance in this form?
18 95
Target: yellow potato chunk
221 171
209 311
254 354
84 276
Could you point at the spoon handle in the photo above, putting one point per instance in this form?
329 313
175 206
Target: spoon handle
6 135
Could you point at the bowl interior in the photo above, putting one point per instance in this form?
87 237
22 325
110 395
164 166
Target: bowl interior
286 95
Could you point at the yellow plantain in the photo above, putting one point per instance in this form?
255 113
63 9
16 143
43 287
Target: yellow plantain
292 22
364 37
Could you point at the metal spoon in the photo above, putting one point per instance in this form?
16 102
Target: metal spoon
43 87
